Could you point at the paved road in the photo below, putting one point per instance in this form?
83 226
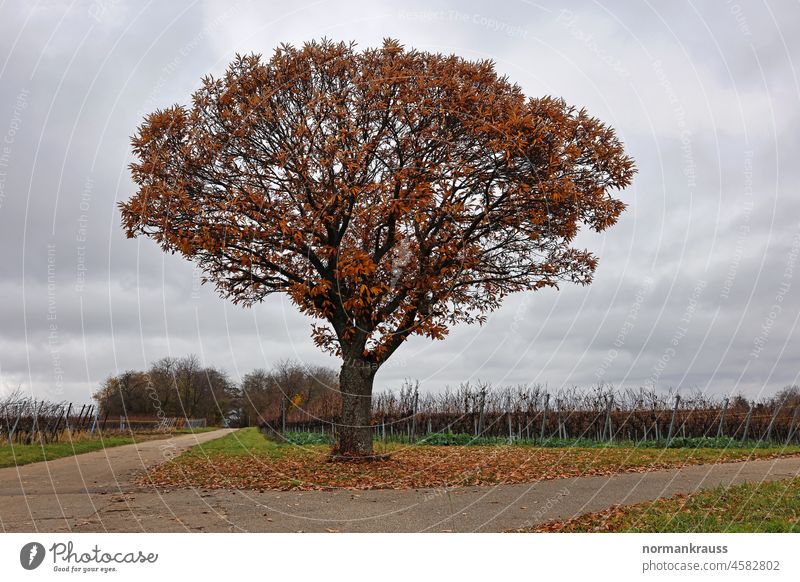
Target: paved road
62 494
99 497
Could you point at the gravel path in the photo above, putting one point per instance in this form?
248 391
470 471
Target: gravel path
94 492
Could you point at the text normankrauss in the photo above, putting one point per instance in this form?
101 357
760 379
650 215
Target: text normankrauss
685 549
66 553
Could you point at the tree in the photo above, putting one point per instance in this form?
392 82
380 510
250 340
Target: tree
388 192
171 387
290 390
124 394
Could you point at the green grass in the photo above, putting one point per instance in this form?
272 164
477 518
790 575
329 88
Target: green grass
15 455
772 506
249 441
244 442
463 439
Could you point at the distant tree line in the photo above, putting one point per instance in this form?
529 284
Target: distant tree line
287 389
293 396
183 387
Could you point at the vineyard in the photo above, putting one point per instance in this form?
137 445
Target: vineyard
517 413
533 413
26 420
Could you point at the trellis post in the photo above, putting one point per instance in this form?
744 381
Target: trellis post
722 418
607 425
544 416
793 424
772 421
672 420
747 422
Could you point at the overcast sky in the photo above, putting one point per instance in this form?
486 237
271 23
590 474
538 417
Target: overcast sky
698 285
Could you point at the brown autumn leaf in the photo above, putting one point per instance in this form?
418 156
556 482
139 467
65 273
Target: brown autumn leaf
420 467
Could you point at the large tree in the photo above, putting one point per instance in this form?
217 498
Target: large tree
388 192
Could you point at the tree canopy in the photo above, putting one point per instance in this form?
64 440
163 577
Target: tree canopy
390 192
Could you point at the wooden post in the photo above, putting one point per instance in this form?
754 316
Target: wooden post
481 418
558 417
607 425
78 422
35 427
644 420
527 425
772 422
544 416
16 423
747 422
85 420
46 431
66 417
672 420
793 424
94 422
722 418
58 425
414 402
508 418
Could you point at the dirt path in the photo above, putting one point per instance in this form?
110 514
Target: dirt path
93 492
61 494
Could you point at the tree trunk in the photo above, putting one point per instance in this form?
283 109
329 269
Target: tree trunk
354 433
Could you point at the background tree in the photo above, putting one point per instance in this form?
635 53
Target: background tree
290 388
387 192
174 387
